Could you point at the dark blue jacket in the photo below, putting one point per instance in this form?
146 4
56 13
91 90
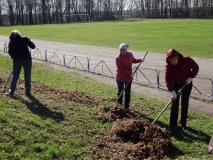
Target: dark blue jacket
18 48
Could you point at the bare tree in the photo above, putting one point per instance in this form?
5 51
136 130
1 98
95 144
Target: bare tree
211 8
11 11
29 8
44 7
139 8
20 12
14 12
1 19
106 6
204 8
67 12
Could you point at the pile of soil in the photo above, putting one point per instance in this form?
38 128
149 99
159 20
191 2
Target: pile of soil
112 113
74 96
40 88
131 137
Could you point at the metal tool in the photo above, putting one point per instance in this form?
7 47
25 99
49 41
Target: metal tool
180 90
8 79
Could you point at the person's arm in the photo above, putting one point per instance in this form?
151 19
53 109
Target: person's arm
168 78
10 49
168 81
194 67
134 60
29 43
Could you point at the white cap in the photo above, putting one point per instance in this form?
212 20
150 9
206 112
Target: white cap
123 46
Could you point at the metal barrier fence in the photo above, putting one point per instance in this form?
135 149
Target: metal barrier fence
143 74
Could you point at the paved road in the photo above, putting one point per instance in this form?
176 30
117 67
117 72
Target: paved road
200 104
153 60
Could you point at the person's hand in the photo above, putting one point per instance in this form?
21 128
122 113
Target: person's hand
173 96
142 59
132 75
189 80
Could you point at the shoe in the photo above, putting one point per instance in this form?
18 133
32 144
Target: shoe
126 106
172 129
28 94
9 94
184 127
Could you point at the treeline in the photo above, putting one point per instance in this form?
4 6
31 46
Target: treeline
14 12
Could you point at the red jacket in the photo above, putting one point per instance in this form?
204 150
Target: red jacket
124 66
178 74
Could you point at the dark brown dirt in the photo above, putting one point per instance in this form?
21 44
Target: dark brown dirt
145 140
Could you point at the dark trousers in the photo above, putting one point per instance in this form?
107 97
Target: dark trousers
27 65
121 86
185 94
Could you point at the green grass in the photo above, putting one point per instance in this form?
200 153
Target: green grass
55 128
190 37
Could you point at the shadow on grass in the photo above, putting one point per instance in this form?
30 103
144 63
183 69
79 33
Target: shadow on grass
174 152
189 135
36 107
186 136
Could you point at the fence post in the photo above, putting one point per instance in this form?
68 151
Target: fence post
45 55
5 46
212 89
64 60
158 78
102 65
88 64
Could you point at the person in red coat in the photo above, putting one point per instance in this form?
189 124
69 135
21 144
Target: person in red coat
179 70
124 73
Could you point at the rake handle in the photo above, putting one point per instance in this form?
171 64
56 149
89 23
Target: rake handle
8 79
180 90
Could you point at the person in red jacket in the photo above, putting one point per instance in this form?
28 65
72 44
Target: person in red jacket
179 70
124 73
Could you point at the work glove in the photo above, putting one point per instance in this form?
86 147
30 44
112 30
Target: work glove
142 59
173 96
189 80
132 75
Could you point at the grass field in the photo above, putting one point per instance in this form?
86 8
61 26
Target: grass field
190 37
51 126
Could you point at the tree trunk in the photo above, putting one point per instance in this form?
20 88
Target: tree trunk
11 14
43 11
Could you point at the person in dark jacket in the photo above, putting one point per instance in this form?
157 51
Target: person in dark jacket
124 73
179 70
19 52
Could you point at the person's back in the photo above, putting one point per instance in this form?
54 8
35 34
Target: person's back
18 47
19 52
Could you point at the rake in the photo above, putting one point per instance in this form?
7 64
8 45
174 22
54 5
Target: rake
180 90
131 80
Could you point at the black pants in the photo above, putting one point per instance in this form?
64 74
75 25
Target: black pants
121 86
185 94
17 66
